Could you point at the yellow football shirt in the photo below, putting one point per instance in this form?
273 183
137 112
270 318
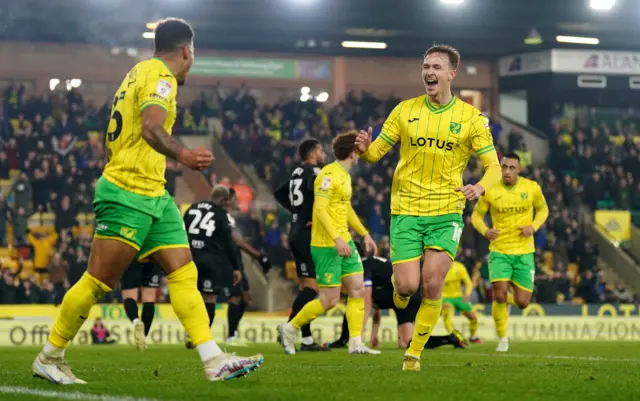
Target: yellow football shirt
435 146
456 277
332 211
511 208
134 165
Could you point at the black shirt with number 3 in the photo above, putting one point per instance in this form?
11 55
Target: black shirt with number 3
296 195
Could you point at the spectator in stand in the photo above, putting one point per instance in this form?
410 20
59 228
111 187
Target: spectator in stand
4 166
587 288
273 235
43 243
281 253
58 270
65 215
244 194
100 334
22 193
20 223
5 215
172 172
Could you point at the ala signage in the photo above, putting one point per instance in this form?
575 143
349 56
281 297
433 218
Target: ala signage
571 62
596 62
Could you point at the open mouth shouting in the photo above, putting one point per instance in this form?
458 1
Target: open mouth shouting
432 83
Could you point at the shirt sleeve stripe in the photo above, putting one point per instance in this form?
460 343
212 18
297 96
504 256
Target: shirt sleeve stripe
322 195
152 103
386 139
484 150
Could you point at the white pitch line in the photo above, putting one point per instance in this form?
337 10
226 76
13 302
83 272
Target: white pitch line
567 357
68 395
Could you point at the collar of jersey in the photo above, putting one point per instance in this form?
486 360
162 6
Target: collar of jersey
511 188
341 166
439 109
165 65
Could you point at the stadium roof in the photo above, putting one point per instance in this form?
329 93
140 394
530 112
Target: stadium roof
479 28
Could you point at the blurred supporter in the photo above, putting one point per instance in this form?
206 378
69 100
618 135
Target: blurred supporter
100 334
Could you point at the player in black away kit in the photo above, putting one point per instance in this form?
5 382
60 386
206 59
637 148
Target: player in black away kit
209 231
140 282
297 195
377 277
240 295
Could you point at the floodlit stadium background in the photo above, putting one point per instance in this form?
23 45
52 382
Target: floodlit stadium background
558 80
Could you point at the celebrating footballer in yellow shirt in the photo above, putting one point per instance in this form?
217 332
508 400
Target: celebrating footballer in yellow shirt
437 133
334 253
518 209
454 299
135 215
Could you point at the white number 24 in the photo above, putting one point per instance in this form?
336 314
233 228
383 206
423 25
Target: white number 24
199 223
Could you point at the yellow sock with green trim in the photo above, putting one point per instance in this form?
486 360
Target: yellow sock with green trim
500 316
308 313
188 304
426 320
473 328
447 318
75 309
355 316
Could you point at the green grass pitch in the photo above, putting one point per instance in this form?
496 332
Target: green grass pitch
546 371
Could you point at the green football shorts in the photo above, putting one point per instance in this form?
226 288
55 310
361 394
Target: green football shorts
146 223
459 304
331 267
411 235
519 269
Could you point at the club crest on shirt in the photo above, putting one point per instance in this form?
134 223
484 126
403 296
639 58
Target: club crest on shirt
524 196
455 128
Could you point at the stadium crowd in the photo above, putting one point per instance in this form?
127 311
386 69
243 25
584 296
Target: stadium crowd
52 154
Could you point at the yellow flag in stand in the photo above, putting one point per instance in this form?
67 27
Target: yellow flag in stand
615 224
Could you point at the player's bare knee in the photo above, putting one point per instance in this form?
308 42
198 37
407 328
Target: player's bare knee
500 296
329 298
148 295
209 298
172 259
522 301
471 316
405 286
356 291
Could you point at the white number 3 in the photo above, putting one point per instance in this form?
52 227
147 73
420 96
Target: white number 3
457 232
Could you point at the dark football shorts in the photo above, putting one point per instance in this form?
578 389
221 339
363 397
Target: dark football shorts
140 275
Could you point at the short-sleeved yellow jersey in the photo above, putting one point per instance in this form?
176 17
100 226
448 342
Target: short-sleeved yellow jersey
511 208
134 165
456 277
333 190
435 146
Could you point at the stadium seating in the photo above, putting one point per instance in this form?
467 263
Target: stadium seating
267 145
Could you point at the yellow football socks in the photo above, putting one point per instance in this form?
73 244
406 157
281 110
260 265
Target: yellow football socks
75 309
510 299
308 313
399 301
426 320
447 318
188 304
355 316
500 315
473 328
